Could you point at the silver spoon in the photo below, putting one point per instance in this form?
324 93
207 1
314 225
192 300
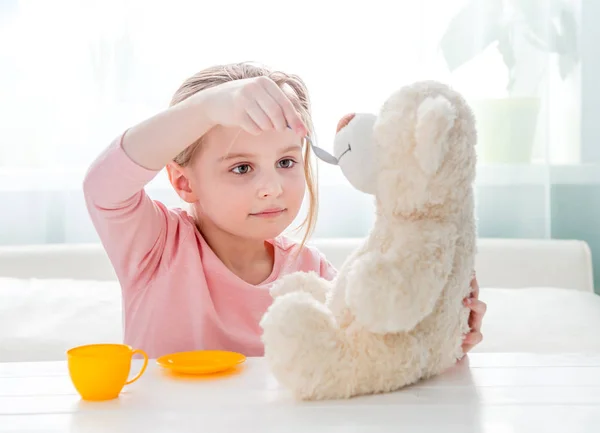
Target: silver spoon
322 154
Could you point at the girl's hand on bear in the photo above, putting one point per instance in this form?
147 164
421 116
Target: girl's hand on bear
478 309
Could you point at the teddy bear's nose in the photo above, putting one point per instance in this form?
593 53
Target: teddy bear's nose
344 121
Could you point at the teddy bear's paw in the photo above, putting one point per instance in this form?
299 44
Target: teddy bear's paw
307 282
295 321
303 347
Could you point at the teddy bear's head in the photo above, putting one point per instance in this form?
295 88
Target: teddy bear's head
416 155
354 150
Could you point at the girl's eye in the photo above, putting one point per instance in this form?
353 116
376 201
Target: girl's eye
241 169
287 163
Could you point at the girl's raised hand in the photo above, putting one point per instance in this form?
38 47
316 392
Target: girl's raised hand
253 104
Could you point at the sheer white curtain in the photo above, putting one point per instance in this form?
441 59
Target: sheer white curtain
75 73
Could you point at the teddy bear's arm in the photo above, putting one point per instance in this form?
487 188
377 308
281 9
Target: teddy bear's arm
395 290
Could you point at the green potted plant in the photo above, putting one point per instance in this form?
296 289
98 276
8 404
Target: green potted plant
526 33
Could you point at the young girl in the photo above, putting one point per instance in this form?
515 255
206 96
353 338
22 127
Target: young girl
233 145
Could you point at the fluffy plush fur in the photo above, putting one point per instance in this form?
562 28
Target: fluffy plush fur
394 314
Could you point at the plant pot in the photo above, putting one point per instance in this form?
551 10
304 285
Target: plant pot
506 129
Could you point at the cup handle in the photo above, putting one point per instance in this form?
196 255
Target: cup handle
141 352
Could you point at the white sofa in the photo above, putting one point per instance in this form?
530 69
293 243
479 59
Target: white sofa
539 293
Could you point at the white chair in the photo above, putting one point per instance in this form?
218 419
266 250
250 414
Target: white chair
539 294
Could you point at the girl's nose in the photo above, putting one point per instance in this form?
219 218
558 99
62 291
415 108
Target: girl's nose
270 188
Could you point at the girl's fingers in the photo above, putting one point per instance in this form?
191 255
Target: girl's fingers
290 114
258 115
473 337
478 309
471 340
250 126
272 109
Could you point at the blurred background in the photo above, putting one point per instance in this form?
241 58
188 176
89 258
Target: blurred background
75 73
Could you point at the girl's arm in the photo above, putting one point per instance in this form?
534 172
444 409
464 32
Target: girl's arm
154 142
255 105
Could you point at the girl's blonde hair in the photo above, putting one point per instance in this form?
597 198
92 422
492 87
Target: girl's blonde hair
220 74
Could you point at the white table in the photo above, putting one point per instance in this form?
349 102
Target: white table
499 393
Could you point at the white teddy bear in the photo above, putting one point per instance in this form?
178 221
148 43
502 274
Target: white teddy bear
394 314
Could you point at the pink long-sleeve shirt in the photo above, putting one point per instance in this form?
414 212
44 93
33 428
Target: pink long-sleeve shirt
177 294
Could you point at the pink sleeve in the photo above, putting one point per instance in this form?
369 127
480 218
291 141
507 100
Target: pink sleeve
327 270
133 229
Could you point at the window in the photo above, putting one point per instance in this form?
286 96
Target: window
74 74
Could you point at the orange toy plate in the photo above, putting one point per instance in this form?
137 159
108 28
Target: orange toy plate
201 361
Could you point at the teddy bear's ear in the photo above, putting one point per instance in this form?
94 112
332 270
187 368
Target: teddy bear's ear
435 118
344 121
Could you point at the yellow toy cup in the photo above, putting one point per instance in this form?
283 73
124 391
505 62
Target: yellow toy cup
100 371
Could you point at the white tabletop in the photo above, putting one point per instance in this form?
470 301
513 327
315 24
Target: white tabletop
496 393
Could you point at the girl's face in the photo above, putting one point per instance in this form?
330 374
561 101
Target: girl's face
249 186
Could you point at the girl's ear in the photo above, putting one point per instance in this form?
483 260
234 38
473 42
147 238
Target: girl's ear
179 179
